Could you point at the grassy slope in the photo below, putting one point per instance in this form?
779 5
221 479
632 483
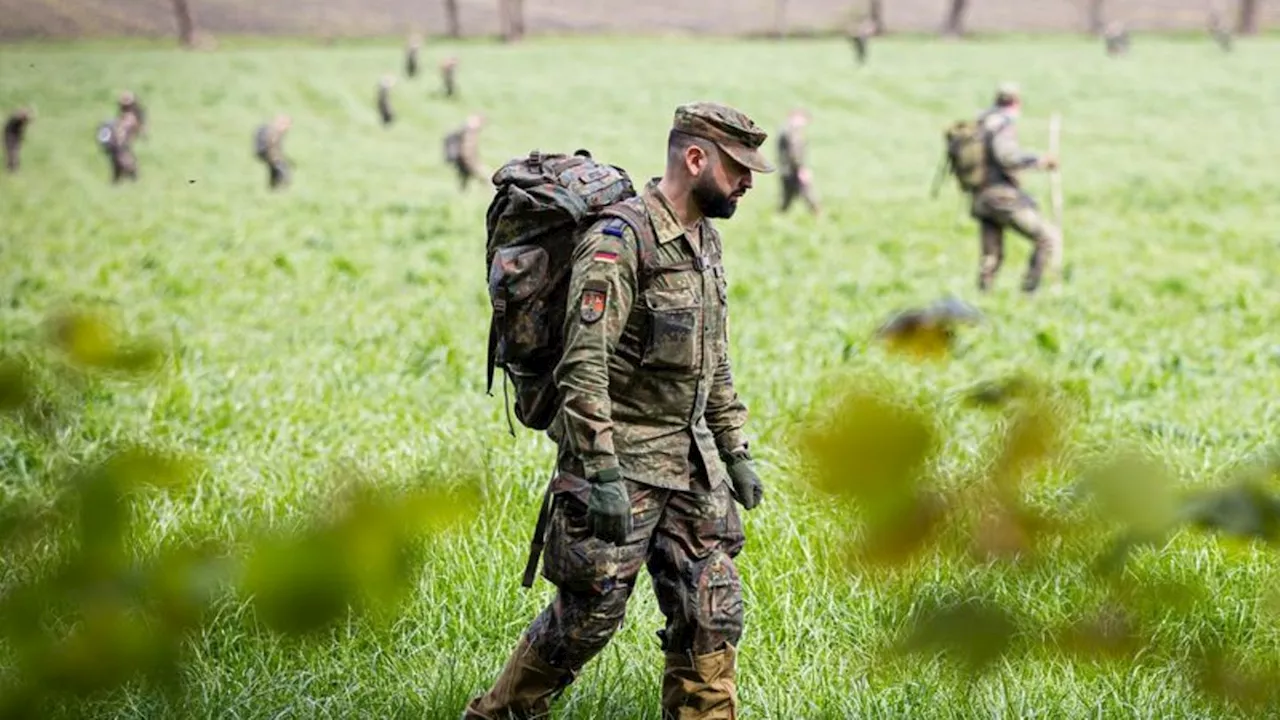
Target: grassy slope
343 322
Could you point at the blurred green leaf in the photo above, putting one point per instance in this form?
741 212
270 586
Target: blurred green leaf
973 634
17 385
1133 491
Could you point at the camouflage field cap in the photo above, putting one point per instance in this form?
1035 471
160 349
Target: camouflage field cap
730 130
1008 91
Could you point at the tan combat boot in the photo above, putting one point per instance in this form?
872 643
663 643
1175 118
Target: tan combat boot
523 690
701 689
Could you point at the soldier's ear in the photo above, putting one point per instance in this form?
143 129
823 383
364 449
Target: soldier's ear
696 159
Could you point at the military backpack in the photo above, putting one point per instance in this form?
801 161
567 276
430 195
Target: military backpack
968 152
542 206
106 136
453 147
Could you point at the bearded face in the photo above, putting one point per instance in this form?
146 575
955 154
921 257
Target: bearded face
714 201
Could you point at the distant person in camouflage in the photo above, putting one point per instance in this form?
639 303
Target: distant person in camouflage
1000 203
797 178
462 150
653 451
116 137
861 39
384 100
1220 31
128 105
1117 39
411 56
15 130
269 147
448 76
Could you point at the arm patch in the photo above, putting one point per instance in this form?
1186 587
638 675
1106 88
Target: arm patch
595 295
615 228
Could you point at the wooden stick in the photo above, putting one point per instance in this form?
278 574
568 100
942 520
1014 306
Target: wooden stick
1055 180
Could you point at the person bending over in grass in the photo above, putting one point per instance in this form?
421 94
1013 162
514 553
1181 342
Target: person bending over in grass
652 447
269 146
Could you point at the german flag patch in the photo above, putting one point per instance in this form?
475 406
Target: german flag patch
605 256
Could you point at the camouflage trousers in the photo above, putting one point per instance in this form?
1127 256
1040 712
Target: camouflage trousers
124 165
1003 206
12 154
467 171
277 171
792 188
687 540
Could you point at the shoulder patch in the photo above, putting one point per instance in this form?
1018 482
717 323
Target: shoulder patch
614 227
595 295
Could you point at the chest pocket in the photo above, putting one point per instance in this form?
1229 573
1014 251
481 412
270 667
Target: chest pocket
674 329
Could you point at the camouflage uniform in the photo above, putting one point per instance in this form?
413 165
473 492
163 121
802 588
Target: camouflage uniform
1117 39
1221 33
861 39
448 79
647 389
1000 203
462 150
268 142
129 105
15 128
411 58
124 164
384 102
792 148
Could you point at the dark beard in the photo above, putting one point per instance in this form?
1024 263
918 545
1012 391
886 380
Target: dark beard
711 201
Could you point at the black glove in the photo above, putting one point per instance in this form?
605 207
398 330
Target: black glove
747 488
609 507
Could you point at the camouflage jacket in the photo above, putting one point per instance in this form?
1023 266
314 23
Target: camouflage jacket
14 128
645 375
1007 158
791 151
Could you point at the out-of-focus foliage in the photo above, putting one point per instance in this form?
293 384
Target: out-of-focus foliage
86 610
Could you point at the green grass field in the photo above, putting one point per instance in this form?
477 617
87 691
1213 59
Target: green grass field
342 324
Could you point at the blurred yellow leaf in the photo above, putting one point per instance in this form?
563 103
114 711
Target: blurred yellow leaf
927 333
873 450
1034 435
87 339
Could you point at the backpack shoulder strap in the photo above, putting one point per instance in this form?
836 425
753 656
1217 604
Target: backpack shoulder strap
631 213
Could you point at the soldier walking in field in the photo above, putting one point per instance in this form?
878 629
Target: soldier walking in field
1220 31
985 158
384 100
462 150
651 434
268 146
128 105
15 130
411 56
862 40
116 137
797 178
1117 39
448 73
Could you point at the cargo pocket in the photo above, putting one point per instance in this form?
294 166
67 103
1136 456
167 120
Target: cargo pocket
717 590
518 277
575 560
674 318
